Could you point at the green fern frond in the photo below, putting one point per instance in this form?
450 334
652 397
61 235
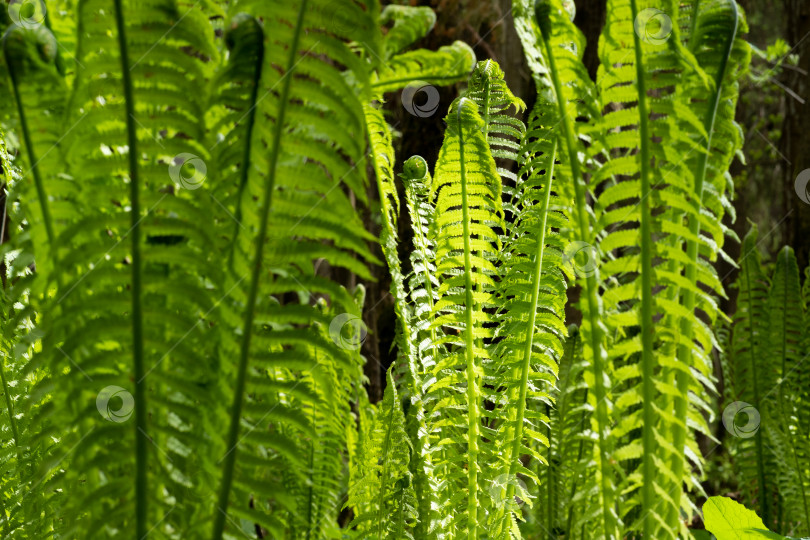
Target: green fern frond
300 164
21 503
531 299
410 23
449 64
97 348
752 379
642 179
384 487
388 75
786 425
39 92
488 89
422 285
560 506
553 48
233 115
468 205
713 37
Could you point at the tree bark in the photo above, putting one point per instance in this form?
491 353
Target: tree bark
795 143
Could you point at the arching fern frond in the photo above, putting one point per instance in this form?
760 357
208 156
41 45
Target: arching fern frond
121 332
638 86
302 165
409 23
713 37
449 64
30 55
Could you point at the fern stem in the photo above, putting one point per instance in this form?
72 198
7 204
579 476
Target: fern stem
250 308
647 357
472 383
591 290
141 486
689 300
516 432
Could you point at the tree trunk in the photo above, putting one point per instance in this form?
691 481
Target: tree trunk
795 144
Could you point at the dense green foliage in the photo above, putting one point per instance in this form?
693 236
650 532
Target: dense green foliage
177 364
768 383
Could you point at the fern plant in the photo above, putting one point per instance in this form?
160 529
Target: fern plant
188 154
635 294
764 409
176 364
